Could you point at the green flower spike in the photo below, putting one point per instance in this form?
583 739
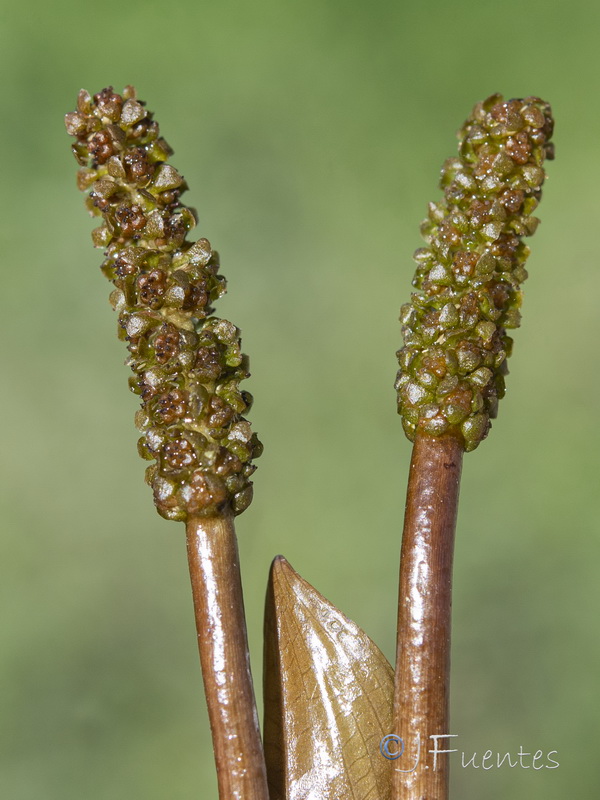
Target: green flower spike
453 362
187 364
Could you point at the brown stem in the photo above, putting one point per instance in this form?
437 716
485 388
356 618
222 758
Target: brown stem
425 597
223 644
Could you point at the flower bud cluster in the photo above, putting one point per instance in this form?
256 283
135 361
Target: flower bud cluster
187 364
468 277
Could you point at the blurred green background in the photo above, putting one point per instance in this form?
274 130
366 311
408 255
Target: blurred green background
311 135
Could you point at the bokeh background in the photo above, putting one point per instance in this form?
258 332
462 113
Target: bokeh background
311 135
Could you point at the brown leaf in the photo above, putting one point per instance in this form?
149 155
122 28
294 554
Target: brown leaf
328 698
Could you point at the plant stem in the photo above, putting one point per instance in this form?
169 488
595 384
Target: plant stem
223 644
423 645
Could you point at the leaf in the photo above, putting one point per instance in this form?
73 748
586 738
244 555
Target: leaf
328 698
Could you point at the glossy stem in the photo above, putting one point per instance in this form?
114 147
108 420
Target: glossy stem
423 647
223 644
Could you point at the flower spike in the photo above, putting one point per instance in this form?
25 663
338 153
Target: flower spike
187 364
468 277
